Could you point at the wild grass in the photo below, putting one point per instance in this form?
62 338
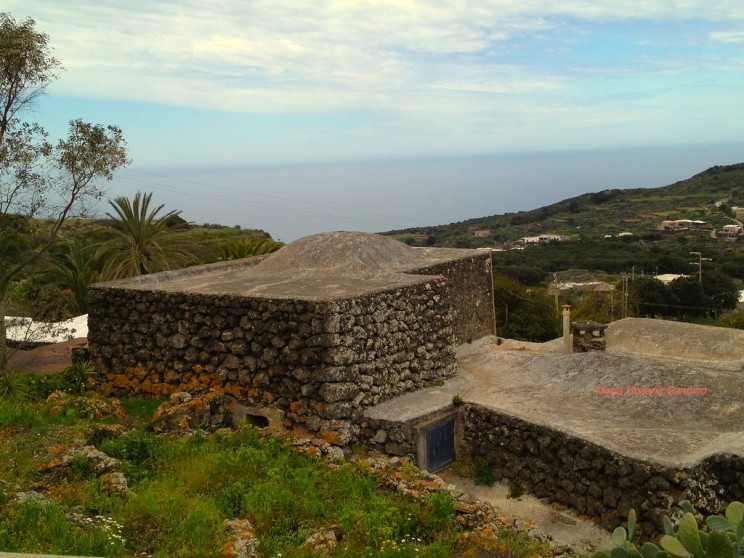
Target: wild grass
183 489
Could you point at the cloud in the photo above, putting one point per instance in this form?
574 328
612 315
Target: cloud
434 66
735 37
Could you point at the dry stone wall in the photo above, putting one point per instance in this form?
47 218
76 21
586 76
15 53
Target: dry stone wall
322 362
469 292
594 480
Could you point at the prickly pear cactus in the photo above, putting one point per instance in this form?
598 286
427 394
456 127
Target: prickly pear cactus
688 535
723 539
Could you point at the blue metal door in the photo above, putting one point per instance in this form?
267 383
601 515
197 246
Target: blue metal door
440 444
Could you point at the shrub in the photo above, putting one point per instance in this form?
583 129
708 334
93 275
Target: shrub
11 384
136 449
733 319
232 499
71 380
80 466
483 474
515 489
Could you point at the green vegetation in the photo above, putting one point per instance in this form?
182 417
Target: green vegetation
183 489
139 239
483 474
733 319
245 248
523 313
38 179
724 537
590 224
707 196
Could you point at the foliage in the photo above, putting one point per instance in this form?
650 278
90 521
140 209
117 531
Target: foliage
522 313
39 179
245 248
515 489
136 449
141 241
600 306
723 539
188 486
43 301
11 384
684 297
733 319
71 267
592 216
71 380
483 474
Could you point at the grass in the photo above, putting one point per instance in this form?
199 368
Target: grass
183 489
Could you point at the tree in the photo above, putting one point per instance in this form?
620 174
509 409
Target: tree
71 267
245 248
690 296
720 292
522 313
38 179
649 297
140 242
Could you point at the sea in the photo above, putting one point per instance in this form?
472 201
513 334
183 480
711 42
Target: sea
293 201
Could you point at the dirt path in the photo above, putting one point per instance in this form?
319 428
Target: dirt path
563 526
47 359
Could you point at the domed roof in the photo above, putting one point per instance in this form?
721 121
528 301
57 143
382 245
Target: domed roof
343 253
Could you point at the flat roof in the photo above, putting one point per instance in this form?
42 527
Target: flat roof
643 418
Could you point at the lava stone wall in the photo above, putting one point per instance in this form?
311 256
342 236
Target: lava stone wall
469 292
317 360
594 480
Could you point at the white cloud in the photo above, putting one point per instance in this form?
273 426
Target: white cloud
735 37
415 64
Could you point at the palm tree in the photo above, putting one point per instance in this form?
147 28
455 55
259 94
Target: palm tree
245 247
142 241
72 266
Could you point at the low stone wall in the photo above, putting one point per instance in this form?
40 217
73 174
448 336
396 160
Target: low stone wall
469 292
322 362
390 437
592 479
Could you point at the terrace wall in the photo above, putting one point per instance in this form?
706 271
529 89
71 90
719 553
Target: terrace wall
594 480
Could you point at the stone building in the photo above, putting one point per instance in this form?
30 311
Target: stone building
327 326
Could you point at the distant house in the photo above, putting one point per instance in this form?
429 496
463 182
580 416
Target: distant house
669 277
675 224
543 238
731 230
624 234
529 240
482 233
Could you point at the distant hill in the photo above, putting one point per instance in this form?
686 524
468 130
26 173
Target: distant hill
707 196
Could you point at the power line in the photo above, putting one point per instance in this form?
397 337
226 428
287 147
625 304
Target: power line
389 220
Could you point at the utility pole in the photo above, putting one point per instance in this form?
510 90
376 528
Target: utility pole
699 264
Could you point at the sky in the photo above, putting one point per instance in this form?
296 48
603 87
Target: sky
370 107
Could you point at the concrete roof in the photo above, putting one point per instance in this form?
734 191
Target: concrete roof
323 266
707 346
538 384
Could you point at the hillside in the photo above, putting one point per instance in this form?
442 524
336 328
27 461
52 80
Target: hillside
707 196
